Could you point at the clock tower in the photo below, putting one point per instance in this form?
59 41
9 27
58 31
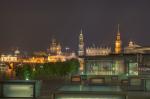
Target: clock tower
118 42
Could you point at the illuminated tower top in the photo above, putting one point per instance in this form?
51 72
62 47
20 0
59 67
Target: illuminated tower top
118 42
81 44
118 34
81 37
59 49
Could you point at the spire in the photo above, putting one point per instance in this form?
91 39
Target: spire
81 33
53 41
118 32
118 42
81 44
118 29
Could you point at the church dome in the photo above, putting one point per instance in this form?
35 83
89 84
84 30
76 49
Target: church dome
17 52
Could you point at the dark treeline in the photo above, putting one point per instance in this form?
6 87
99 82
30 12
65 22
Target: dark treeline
47 70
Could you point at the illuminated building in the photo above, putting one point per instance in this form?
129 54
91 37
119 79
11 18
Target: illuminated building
118 42
55 48
55 53
3 67
11 57
17 52
94 51
34 60
135 48
81 51
61 58
8 58
81 44
81 62
56 58
40 53
104 65
117 64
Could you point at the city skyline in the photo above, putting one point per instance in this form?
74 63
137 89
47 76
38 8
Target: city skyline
30 25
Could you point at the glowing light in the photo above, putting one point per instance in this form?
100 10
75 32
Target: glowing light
27 78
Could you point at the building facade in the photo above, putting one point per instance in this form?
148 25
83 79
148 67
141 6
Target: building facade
95 51
9 58
117 64
3 67
55 53
55 48
135 48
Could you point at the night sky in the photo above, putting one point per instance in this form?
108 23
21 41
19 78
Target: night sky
31 24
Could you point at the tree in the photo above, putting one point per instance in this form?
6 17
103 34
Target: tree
48 70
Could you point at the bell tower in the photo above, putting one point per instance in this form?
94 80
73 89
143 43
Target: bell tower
81 44
118 42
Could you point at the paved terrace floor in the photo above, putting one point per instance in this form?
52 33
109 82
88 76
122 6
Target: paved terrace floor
48 87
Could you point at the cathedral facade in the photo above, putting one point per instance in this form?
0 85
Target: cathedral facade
94 51
55 48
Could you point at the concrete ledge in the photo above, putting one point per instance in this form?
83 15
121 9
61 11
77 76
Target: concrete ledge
20 89
97 81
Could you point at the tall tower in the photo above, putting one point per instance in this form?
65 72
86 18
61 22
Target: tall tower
81 44
59 49
53 46
118 42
